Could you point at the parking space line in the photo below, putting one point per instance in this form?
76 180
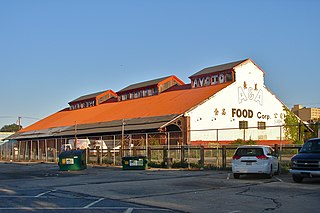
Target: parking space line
129 210
17 196
47 192
278 179
93 203
126 209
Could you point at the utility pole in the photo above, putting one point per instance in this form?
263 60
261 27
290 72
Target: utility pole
19 123
75 135
122 138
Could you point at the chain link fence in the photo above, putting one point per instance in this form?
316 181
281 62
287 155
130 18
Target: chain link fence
163 149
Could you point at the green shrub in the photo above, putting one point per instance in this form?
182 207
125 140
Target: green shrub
243 142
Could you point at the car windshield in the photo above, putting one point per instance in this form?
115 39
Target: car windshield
312 146
249 152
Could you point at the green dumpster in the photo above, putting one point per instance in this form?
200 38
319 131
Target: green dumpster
72 160
134 162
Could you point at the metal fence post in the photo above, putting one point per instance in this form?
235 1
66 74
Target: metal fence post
46 147
147 145
202 156
224 157
109 155
13 152
189 166
38 150
31 150
114 151
182 155
217 157
217 136
87 156
280 144
165 153
55 150
6 151
25 150
149 154
168 138
101 148
1 152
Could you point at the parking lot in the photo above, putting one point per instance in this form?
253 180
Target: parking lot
37 187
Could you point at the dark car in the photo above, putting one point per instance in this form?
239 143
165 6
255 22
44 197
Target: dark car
306 164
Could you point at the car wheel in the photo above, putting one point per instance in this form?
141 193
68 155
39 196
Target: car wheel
236 175
278 170
297 178
270 175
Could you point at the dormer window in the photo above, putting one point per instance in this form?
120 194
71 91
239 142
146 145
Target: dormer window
92 100
214 75
149 88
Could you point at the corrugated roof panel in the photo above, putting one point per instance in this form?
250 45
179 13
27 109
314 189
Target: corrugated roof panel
218 68
168 103
144 84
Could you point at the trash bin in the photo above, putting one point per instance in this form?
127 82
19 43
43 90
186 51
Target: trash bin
134 163
72 160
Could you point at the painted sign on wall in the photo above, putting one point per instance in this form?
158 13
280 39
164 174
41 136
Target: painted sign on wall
246 93
211 79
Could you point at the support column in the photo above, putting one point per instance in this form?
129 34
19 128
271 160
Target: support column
146 145
38 150
185 130
202 157
182 156
19 147
224 157
55 151
46 147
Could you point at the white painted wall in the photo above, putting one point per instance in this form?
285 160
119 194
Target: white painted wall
247 99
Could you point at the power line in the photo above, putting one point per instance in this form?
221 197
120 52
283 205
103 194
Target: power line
26 117
19 121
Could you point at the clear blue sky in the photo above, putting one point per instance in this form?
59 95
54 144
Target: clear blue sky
52 52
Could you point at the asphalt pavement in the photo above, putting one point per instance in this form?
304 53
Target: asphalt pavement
40 187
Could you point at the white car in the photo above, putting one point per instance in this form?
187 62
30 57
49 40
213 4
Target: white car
255 159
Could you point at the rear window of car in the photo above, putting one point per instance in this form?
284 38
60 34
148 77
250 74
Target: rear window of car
249 152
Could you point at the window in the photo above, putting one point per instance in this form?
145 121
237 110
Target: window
124 97
261 125
229 77
155 91
145 93
249 152
243 124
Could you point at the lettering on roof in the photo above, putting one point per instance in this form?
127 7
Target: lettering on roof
211 79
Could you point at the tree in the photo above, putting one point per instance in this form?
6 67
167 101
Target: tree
314 125
294 129
11 128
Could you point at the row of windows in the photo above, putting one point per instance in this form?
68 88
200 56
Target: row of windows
244 125
139 94
83 105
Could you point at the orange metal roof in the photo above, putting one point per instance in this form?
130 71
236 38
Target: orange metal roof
167 103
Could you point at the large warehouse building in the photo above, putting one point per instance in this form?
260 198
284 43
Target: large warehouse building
220 104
